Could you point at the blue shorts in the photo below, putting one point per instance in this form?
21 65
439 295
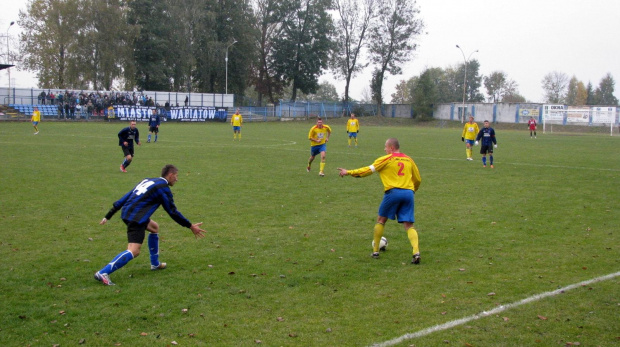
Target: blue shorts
237 129
35 123
314 150
352 134
398 203
470 142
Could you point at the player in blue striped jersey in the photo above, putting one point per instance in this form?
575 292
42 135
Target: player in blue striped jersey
137 206
126 137
487 135
154 122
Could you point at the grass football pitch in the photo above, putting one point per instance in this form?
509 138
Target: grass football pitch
286 260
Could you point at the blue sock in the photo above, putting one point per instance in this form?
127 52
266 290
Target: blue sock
149 139
118 262
154 248
155 137
484 160
491 159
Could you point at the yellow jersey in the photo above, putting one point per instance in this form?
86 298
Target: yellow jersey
470 130
319 133
36 116
396 170
353 125
236 120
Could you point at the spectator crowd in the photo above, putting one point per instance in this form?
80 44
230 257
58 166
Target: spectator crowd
87 104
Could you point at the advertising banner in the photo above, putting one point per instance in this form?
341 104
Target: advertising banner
603 114
178 114
576 114
528 112
553 113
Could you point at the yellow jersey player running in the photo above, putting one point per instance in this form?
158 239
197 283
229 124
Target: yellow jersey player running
353 128
318 136
470 130
401 179
35 119
236 121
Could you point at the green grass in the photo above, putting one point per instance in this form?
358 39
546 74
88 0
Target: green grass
286 258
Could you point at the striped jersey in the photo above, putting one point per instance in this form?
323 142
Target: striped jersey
139 204
129 135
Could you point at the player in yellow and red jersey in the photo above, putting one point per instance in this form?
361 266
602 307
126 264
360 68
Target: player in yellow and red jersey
318 136
401 179
470 130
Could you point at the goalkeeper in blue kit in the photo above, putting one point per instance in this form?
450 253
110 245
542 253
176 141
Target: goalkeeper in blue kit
137 206
487 135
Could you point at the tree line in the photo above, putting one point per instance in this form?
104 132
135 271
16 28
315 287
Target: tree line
266 50
263 48
445 85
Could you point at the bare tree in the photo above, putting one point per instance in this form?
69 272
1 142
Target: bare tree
554 85
354 19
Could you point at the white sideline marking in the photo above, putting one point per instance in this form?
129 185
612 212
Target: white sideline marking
496 310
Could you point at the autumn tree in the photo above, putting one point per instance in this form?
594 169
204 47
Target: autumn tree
48 42
354 18
392 39
269 15
604 93
576 93
554 84
301 51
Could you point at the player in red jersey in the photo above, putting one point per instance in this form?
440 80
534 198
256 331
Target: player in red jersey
531 124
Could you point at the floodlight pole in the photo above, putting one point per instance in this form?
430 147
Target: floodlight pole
8 54
464 79
234 41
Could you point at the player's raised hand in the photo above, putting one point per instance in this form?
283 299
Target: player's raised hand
195 228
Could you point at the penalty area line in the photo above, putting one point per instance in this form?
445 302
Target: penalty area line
496 310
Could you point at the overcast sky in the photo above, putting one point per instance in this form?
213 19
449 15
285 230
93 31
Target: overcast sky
525 39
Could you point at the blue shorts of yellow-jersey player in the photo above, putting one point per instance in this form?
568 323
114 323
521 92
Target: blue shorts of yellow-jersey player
352 134
315 150
136 232
470 142
236 128
397 203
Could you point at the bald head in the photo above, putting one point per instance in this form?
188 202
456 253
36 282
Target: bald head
392 142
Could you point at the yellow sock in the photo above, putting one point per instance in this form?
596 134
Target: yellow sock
356 141
349 141
467 152
322 167
377 236
413 238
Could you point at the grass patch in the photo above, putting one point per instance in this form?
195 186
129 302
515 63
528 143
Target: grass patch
286 258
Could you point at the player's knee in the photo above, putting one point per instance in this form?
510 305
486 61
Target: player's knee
153 227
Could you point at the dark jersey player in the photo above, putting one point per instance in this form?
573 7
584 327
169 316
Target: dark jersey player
137 206
126 138
154 122
487 135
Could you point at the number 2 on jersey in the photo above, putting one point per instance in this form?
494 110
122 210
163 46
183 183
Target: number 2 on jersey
402 167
